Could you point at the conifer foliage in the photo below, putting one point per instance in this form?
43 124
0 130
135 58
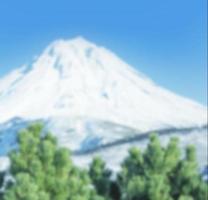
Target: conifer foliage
43 171
158 173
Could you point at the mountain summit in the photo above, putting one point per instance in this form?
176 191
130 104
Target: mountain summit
77 85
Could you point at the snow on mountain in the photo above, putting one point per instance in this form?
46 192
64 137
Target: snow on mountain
81 90
115 154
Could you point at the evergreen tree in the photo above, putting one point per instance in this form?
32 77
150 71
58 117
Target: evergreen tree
186 180
158 187
172 155
43 171
159 173
100 177
132 166
25 189
136 189
154 157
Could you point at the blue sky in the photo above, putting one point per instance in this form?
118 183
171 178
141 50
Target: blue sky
164 39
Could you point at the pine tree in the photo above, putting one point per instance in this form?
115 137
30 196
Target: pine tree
42 171
172 155
158 187
25 189
154 157
132 166
100 177
136 189
159 173
186 178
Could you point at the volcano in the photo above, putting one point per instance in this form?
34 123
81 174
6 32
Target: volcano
87 96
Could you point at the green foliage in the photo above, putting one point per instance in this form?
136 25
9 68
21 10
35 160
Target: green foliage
154 157
185 197
25 188
42 171
100 176
186 180
172 155
159 173
136 188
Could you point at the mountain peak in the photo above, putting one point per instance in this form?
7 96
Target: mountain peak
88 96
77 78
77 43
63 54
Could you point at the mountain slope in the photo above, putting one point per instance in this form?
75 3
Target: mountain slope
76 85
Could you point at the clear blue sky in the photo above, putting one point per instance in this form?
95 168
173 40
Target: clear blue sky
165 39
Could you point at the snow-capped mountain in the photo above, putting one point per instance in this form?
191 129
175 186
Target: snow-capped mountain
87 96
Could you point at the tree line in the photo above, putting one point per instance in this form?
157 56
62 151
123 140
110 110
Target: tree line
42 170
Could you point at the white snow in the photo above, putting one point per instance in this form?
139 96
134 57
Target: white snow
115 155
4 163
75 81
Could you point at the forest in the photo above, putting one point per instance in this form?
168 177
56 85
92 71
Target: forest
41 170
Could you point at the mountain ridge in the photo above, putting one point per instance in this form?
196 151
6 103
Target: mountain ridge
74 84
